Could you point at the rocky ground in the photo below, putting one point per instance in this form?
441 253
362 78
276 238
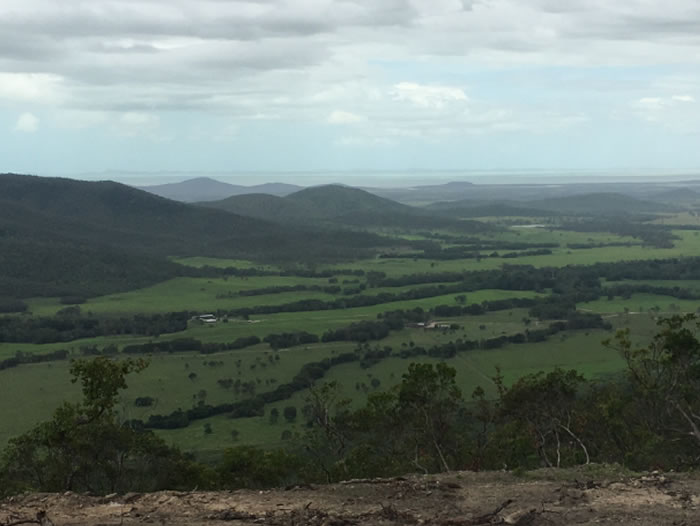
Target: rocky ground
586 496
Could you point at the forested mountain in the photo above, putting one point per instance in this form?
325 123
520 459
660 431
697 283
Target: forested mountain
265 206
338 201
470 208
60 236
207 189
594 204
678 195
601 203
340 206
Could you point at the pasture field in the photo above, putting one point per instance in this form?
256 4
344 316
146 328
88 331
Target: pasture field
688 244
209 295
190 294
315 322
29 393
680 218
641 303
580 351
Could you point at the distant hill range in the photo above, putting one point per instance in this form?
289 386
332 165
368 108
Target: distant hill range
593 204
600 203
678 195
207 189
338 205
62 237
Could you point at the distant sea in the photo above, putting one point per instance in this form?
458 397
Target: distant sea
389 179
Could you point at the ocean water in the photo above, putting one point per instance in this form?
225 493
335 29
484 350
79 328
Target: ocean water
390 179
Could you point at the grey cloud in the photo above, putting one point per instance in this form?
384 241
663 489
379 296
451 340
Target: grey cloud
642 28
237 56
282 19
17 47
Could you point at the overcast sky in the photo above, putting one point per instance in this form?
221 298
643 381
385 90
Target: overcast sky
228 85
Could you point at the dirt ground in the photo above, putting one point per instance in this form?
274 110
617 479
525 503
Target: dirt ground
455 499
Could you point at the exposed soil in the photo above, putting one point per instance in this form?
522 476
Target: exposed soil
455 499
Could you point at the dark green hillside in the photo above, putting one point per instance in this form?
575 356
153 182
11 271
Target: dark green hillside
336 200
207 189
117 214
611 204
594 204
268 207
338 206
197 189
678 195
59 236
343 205
471 208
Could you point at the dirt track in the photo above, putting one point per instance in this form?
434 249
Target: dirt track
456 499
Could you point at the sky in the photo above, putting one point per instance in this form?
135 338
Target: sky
349 85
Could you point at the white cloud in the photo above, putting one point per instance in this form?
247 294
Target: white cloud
676 113
683 98
27 123
33 87
122 63
344 117
428 96
651 103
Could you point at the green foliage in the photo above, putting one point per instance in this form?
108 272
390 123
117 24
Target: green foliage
544 408
429 402
84 447
666 377
101 379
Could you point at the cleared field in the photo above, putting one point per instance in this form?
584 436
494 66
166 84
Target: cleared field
641 303
190 294
687 245
581 351
681 218
311 321
29 393
209 295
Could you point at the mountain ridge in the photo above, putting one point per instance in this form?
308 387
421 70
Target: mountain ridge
201 189
82 228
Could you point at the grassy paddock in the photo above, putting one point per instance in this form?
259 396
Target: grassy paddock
581 351
314 321
641 303
29 393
